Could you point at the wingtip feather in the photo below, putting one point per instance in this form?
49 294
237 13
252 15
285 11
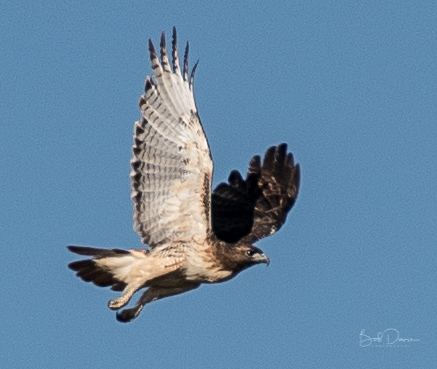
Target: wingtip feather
175 56
193 71
162 44
185 73
151 47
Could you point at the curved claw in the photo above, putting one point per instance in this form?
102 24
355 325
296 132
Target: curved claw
127 315
123 300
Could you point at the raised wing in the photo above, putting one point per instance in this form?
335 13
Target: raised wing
257 207
171 165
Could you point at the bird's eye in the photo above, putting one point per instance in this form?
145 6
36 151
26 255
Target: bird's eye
250 252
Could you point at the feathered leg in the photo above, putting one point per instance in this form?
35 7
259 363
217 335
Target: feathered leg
123 270
152 294
124 299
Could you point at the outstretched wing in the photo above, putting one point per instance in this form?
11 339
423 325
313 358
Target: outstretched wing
171 165
257 207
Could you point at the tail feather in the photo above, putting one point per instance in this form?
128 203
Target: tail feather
107 268
90 271
99 253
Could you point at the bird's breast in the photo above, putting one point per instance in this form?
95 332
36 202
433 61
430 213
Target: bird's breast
202 266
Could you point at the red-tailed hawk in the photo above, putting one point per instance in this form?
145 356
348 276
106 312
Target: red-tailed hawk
194 236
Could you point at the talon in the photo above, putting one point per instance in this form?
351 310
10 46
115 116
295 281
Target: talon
127 315
118 303
123 300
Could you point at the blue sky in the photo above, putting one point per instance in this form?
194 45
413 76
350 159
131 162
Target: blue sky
350 86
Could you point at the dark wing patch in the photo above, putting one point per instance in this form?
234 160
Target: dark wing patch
233 207
257 207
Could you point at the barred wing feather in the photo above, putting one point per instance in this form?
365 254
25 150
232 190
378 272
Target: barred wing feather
171 165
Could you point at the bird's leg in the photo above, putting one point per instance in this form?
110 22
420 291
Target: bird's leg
152 294
125 297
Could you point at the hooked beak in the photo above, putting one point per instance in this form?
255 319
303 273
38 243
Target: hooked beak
263 258
267 260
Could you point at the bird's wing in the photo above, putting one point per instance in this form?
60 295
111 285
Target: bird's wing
256 207
171 165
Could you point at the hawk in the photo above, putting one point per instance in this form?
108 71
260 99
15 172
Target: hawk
194 235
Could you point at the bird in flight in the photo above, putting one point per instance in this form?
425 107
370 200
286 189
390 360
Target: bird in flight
194 235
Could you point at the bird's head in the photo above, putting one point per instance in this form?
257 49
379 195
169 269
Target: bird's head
256 255
247 255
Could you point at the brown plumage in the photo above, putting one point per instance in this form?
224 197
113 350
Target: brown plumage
195 235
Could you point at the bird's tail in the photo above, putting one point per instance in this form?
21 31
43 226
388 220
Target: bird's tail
107 268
